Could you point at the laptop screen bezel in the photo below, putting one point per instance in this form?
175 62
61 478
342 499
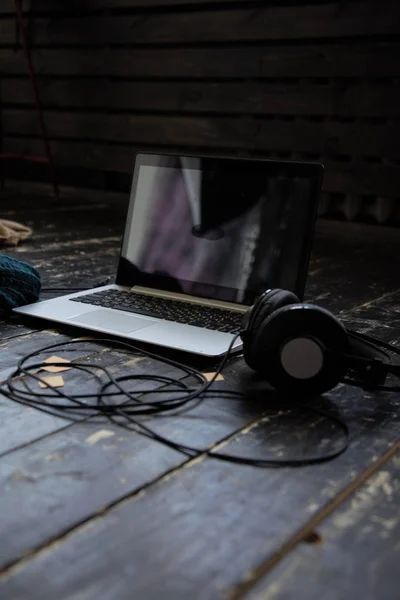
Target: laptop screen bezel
312 170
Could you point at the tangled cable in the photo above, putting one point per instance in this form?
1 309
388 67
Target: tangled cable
127 413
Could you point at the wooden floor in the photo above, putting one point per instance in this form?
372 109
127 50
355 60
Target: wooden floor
91 511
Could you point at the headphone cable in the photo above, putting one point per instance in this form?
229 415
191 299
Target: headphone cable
125 414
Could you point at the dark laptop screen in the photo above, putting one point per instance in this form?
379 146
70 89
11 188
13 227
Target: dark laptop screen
219 228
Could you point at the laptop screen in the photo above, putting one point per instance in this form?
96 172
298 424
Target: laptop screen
219 228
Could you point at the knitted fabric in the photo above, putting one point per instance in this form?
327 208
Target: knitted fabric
19 283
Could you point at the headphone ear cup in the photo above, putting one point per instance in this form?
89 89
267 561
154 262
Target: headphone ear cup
265 306
292 350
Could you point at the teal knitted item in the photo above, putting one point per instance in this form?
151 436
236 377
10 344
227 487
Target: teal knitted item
19 283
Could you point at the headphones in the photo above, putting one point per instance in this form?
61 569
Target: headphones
304 348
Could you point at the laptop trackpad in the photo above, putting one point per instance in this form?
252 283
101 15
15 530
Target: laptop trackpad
112 320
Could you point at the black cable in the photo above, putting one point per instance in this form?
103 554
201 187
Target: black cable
372 365
124 414
374 342
195 452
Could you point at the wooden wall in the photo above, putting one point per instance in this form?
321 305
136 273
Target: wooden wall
316 80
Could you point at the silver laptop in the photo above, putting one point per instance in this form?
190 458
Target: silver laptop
204 237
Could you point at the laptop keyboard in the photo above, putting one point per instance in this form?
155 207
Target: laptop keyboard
170 310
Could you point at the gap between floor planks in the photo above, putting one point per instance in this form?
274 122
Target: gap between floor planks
67 426
259 572
9 569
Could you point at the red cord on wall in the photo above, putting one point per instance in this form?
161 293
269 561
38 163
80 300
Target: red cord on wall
39 110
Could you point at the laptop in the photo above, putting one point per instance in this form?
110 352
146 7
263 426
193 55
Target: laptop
204 237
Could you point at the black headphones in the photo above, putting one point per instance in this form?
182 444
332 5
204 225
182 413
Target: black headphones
304 348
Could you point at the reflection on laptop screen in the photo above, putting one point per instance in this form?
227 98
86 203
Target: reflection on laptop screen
220 228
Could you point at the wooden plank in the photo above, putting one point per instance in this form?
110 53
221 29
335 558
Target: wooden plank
324 60
256 24
107 470
340 177
8 6
54 227
363 179
352 553
110 468
21 425
329 284
117 158
11 327
329 138
319 137
47 479
182 534
340 99
368 319
13 350
58 493
67 268
63 257
18 470
132 128
337 293
332 285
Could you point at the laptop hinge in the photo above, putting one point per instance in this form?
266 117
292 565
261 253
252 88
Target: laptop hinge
191 299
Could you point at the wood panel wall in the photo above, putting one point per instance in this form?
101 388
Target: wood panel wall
315 81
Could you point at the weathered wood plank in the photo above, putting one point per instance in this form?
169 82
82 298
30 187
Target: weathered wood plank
61 442
62 266
11 327
342 281
341 99
256 24
21 425
375 59
189 523
64 257
8 6
208 425
207 502
354 552
106 471
38 195
365 179
139 129
13 350
342 177
325 137
97 155
34 460
65 267
328 281
329 138
368 318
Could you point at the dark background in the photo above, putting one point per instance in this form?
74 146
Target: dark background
295 80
